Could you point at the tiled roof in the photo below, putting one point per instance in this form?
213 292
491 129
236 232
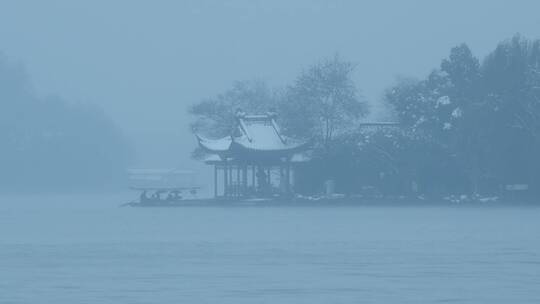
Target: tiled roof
257 133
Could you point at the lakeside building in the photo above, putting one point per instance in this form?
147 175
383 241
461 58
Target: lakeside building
256 160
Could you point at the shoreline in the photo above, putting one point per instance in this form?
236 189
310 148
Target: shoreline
334 202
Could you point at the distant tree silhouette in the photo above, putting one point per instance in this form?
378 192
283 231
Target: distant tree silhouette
50 144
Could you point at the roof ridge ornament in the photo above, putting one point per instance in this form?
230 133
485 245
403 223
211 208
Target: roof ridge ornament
240 116
240 113
272 114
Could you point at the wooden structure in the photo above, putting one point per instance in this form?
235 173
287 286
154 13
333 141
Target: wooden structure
257 160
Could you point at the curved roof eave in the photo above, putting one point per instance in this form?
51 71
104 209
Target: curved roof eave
214 145
288 149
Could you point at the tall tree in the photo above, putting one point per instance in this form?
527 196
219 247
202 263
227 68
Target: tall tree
442 108
323 102
512 80
215 116
467 137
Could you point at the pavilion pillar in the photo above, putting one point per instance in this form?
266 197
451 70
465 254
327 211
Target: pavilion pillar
292 177
225 180
231 188
268 179
288 176
237 186
282 186
244 180
253 177
215 181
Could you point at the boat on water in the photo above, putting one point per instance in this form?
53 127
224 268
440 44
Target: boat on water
163 187
165 196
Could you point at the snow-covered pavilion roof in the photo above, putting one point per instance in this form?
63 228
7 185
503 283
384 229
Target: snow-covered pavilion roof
256 133
215 145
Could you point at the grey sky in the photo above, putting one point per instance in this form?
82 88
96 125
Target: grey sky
144 62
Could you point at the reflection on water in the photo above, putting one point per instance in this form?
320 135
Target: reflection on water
84 249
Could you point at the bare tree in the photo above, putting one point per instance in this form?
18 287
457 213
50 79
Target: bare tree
323 102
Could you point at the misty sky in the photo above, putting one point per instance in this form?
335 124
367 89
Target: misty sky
144 62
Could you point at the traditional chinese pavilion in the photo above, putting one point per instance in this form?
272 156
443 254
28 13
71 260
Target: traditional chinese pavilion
257 160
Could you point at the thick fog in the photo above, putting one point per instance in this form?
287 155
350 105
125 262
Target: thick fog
356 151
145 62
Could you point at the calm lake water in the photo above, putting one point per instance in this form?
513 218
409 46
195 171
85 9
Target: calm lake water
85 249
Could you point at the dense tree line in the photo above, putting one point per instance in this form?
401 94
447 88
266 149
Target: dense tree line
471 126
481 118
50 144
